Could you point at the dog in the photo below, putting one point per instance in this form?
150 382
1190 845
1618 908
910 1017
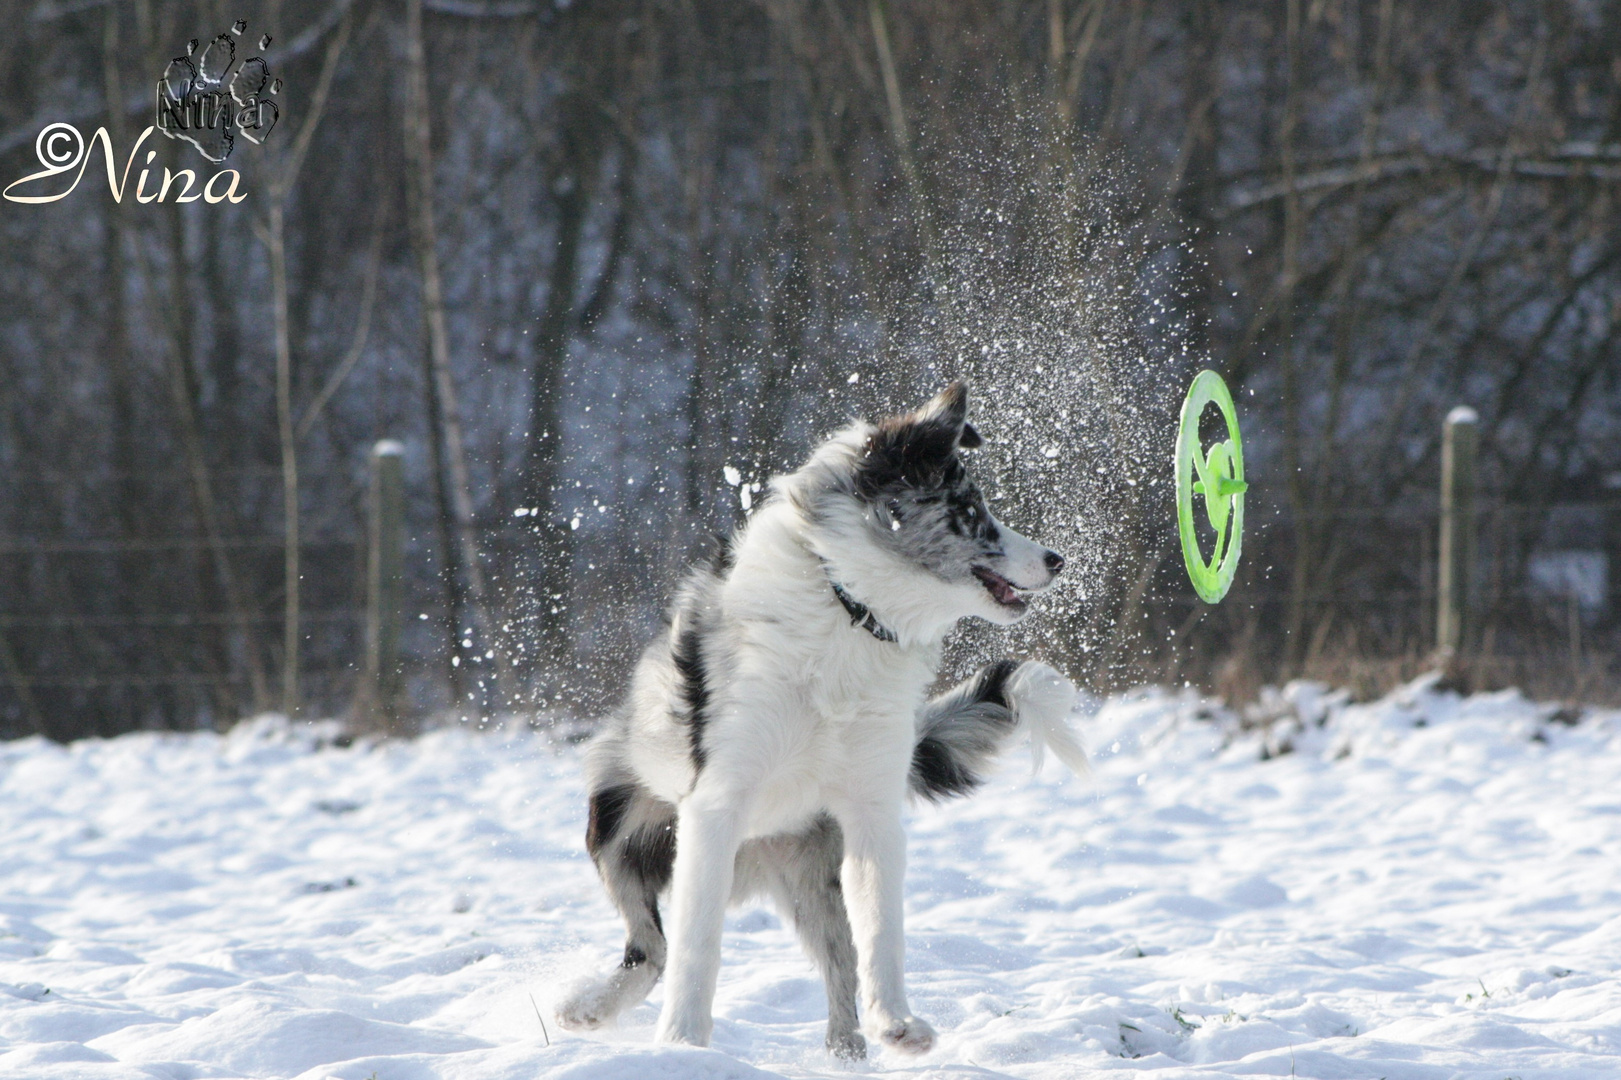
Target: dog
773 732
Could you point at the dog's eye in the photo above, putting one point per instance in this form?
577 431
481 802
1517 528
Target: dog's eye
893 508
972 513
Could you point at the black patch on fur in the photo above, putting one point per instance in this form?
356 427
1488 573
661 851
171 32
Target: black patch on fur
917 449
607 812
634 957
689 662
650 854
964 733
993 682
936 773
724 556
966 513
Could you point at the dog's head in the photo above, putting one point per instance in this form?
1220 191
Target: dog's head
919 503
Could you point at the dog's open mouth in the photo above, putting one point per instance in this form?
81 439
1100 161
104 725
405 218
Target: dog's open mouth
1003 591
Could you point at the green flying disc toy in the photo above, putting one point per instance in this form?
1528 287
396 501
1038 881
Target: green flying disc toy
1220 479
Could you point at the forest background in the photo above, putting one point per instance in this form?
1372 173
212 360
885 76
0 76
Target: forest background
603 267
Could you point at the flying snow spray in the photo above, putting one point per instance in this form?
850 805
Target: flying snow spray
1220 480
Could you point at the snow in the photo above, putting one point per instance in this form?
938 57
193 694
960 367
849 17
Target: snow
1422 886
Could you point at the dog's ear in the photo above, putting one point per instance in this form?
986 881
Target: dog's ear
949 406
947 411
916 448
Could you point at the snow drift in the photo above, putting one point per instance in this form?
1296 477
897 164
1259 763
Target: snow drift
1422 886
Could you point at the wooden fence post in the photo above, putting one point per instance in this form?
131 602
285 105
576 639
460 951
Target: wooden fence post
1454 616
385 561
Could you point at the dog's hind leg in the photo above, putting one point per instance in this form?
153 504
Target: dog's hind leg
804 881
631 837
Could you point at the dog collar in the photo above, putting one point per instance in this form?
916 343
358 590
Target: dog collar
861 615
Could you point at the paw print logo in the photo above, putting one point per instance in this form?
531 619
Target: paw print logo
207 98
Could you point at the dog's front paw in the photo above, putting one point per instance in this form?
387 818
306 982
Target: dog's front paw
909 1036
847 1046
682 1030
1038 690
589 1007
1041 699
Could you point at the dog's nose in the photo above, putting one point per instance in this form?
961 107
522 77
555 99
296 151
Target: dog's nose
1054 561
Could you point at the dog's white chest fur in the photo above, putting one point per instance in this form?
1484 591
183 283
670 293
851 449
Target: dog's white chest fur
808 710
845 734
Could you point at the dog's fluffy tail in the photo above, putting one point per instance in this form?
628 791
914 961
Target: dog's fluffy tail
963 730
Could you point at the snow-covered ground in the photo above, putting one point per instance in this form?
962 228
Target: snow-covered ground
1426 887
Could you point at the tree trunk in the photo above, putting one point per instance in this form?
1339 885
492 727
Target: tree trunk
544 446
274 235
276 241
419 150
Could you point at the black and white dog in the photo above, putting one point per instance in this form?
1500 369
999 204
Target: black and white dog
772 734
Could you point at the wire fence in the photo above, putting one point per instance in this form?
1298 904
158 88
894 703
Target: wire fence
1351 596
101 634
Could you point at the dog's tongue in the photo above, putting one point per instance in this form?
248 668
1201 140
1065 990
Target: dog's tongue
1001 588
